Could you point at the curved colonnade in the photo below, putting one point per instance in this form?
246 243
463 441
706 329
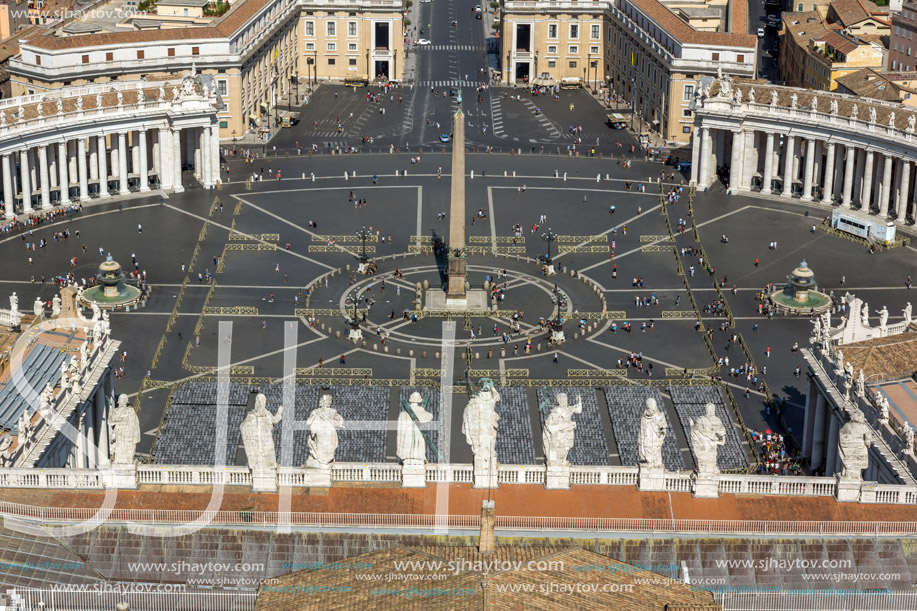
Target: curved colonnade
101 140
817 146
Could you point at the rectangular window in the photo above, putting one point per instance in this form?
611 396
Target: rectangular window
224 124
310 28
594 32
38 60
171 51
572 50
351 28
552 30
221 87
332 46
109 56
310 46
551 63
594 50
330 28
740 59
689 93
351 46
85 59
140 54
552 49
330 61
573 64
715 57
574 30
353 61
195 50
686 113
686 129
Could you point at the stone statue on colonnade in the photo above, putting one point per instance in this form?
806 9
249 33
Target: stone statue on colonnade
323 424
853 443
479 425
707 434
653 427
124 432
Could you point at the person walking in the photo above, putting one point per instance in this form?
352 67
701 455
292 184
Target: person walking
556 358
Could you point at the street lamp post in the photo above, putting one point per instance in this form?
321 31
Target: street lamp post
362 235
355 334
549 236
557 320
633 103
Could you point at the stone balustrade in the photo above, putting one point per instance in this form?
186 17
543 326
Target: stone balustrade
130 476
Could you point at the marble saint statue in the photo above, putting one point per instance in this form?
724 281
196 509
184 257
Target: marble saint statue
707 434
751 95
833 107
14 303
25 420
891 119
872 114
907 313
907 433
323 424
854 112
60 106
910 123
853 443
39 108
559 428
479 425
411 447
774 97
55 306
123 432
258 435
79 103
653 427
883 317
38 308
794 101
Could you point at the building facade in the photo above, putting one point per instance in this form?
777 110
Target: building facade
566 40
902 49
260 53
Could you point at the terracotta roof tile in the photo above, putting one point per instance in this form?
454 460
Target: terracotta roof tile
868 83
677 27
895 355
849 12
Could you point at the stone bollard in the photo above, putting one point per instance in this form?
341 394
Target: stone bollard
363 345
437 356
477 355
606 177
410 353
518 152
423 354
569 153
487 285
397 350
376 347
419 286
323 326
337 334
426 284
303 175
538 347
472 174
598 178
348 267
405 172
385 348
514 173
575 335
467 285
396 172
565 177
572 273
313 176
504 174
556 173
345 175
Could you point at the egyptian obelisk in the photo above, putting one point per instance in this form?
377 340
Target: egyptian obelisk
456 297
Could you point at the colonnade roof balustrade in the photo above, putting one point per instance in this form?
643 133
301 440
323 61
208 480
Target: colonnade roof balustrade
751 98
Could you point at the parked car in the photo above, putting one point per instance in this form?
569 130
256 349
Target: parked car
477 8
444 138
422 42
760 32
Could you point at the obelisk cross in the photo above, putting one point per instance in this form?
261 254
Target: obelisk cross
456 293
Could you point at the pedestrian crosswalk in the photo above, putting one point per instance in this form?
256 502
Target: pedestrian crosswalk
448 48
441 84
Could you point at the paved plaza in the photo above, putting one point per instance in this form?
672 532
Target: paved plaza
269 246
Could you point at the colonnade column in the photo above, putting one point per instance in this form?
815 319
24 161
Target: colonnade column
706 160
176 161
165 159
848 176
696 145
735 163
789 157
144 177
43 176
81 163
866 193
903 195
206 178
122 164
768 177
8 195
26 185
94 159
810 167
103 168
886 186
64 177
828 194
